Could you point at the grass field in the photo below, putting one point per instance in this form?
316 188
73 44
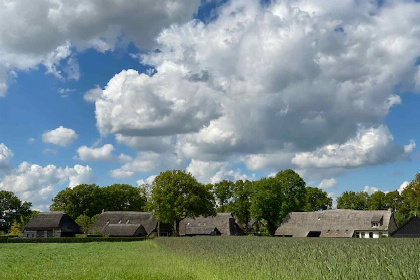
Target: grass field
215 258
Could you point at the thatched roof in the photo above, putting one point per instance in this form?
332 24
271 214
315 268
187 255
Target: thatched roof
202 231
124 230
335 223
224 222
145 219
52 221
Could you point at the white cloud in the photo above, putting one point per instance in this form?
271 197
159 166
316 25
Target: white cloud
60 136
37 184
103 153
48 32
327 183
302 85
370 146
31 140
93 94
213 172
403 186
370 190
49 151
149 180
5 155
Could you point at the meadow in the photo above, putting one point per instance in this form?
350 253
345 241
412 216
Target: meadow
215 258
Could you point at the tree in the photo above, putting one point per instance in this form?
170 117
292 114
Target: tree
13 209
353 200
84 222
177 195
411 195
16 228
273 198
393 200
83 199
123 197
223 192
317 199
241 201
378 201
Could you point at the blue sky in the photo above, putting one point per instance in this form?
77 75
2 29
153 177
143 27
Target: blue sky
224 89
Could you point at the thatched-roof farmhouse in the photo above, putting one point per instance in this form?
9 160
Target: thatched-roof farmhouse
338 223
129 223
221 224
51 224
410 229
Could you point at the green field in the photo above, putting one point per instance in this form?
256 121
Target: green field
215 258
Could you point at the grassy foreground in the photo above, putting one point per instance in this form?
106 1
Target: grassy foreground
215 258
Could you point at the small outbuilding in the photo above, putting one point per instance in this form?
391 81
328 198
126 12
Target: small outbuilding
338 223
221 224
409 229
129 224
51 224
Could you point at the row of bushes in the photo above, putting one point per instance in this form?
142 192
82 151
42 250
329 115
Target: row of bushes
6 239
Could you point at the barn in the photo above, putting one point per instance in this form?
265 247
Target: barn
129 223
51 224
221 224
338 223
409 229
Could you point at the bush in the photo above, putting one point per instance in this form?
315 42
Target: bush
74 239
3 239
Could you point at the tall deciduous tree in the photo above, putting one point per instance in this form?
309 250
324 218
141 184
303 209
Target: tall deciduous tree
91 199
177 195
411 196
353 200
241 201
273 198
317 199
12 209
123 197
378 201
223 192
81 200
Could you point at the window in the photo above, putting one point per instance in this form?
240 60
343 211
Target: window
39 233
362 235
128 221
370 234
375 224
119 221
357 234
50 233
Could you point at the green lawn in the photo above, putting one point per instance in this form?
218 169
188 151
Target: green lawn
215 258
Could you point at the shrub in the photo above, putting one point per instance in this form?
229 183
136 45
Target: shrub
75 239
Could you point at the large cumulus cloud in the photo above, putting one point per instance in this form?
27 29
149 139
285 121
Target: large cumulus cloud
46 31
296 84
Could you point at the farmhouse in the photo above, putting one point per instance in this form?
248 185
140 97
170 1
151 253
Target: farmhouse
338 223
221 224
129 223
410 229
51 224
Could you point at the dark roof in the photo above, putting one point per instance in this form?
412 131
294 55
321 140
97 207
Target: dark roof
52 220
145 219
124 230
334 222
411 228
224 222
202 231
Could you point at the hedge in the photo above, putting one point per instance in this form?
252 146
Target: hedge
73 239
3 239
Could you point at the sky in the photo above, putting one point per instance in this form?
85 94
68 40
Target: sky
103 91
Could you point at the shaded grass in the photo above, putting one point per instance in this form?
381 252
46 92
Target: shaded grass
215 258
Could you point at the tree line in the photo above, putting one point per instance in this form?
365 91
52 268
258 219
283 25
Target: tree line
174 195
